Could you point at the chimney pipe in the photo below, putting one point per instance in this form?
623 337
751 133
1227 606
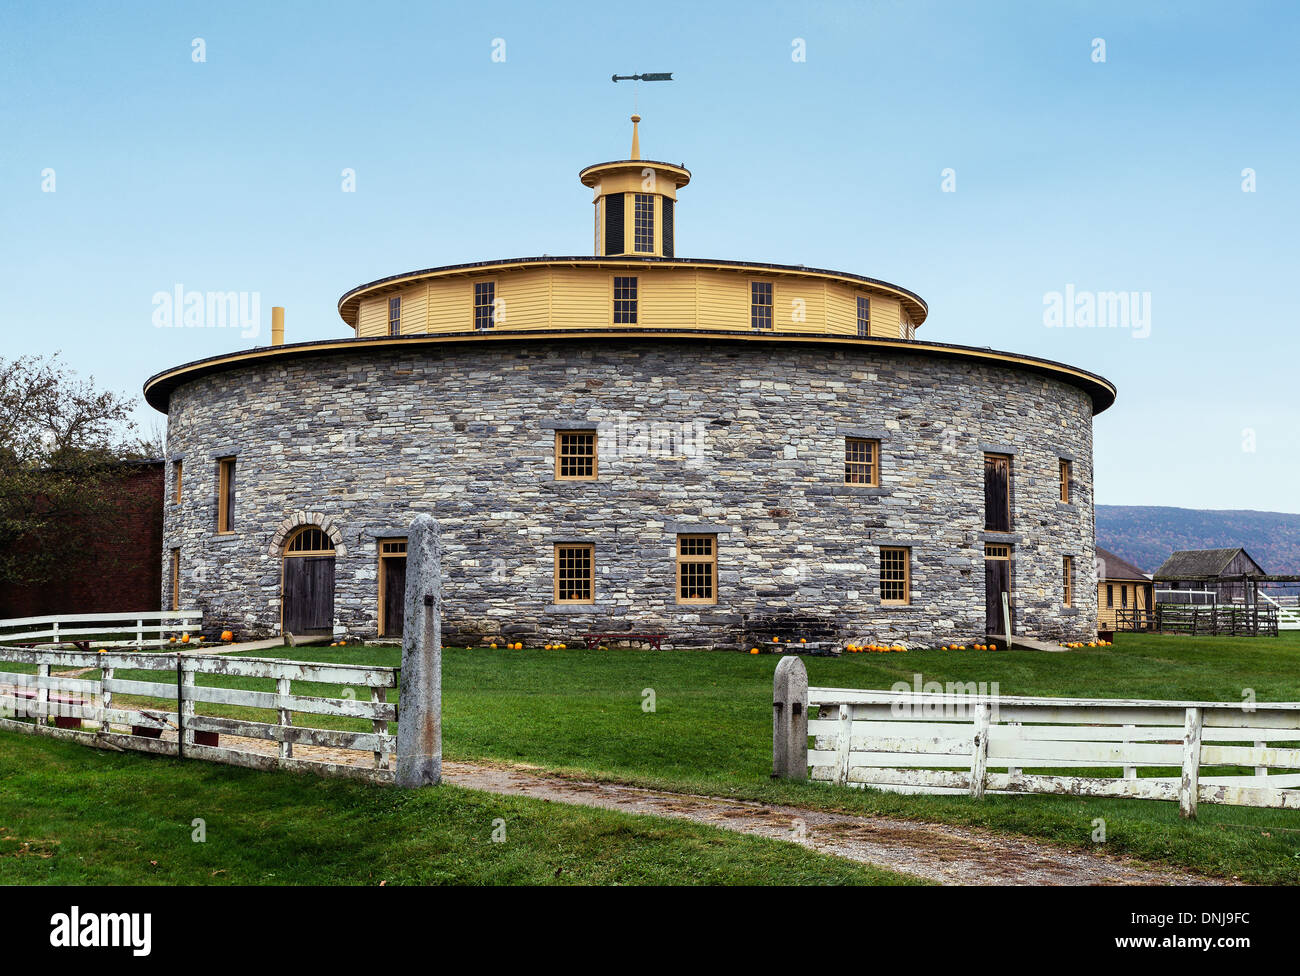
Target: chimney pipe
277 325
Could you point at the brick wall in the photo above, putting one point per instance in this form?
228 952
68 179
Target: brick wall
115 569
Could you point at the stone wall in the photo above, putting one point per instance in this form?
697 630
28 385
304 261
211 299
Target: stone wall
739 438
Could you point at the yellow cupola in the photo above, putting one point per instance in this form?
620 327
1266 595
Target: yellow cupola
635 201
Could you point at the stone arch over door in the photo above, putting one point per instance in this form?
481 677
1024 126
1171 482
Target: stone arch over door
307 553
296 521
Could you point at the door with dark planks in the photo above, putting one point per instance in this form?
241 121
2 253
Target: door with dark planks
997 580
394 596
309 594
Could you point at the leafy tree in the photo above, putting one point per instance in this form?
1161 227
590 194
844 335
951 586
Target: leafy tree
62 447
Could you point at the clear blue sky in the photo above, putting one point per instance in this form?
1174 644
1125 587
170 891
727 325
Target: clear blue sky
1115 176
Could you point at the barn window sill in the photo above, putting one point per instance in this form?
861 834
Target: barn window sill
573 608
223 537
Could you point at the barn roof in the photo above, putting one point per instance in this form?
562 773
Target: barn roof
1114 567
1190 563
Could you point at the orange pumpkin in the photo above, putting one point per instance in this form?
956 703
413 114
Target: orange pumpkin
227 635
753 650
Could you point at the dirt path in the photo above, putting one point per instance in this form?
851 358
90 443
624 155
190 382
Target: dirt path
948 855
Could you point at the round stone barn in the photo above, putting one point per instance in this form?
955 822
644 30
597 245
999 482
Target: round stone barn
718 451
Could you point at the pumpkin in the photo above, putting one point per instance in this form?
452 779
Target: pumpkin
993 647
227 635
753 650
803 640
185 638
493 646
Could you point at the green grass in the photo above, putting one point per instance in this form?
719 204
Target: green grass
580 712
75 815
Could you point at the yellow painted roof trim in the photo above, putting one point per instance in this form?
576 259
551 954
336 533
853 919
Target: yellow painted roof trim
350 303
158 388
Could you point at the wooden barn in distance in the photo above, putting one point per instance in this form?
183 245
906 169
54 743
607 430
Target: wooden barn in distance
1218 571
1125 597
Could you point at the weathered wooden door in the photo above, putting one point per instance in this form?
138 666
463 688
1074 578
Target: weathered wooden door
309 594
997 493
394 596
997 580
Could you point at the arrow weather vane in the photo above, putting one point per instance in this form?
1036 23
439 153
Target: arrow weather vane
651 76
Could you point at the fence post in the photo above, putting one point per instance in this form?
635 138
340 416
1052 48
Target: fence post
184 704
979 763
1189 787
105 698
1130 772
139 633
790 719
284 716
379 695
42 694
1261 770
419 705
843 745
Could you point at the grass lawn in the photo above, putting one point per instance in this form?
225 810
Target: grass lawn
581 711
75 815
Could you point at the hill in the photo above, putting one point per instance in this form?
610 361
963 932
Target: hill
1146 534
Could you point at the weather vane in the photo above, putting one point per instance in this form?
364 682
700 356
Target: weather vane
650 76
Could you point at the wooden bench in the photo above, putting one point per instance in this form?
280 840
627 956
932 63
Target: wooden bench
595 640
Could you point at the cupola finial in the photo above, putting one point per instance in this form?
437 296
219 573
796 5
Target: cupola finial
636 140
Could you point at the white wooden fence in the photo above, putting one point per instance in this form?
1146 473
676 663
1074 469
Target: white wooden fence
101 629
916 742
62 686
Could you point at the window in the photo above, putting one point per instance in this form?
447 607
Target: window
176 579
1067 579
485 296
1123 597
624 301
760 305
895 575
176 475
575 455
573 574
643 224
697 569
1110 595
226 494
997 493
310 540
394 316
1065 480
666 205
861 462
994 551
864 316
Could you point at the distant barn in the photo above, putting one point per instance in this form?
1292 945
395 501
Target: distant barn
1217 571
1124 594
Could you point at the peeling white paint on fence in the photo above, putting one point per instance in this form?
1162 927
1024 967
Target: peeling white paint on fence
916 742
28 702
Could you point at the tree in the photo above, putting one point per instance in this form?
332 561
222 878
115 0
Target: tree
62 447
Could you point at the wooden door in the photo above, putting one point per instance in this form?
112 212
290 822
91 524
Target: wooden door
394 595
997 493
997 580
309 594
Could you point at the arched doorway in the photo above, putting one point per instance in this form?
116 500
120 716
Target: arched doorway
307 589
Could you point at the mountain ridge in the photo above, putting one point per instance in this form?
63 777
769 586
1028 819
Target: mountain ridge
1145 535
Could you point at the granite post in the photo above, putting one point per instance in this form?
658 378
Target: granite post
419 716
790 719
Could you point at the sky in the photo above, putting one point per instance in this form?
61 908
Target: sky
1012 163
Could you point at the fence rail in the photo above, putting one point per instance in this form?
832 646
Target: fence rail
916 742
101 629
1221 619
63 687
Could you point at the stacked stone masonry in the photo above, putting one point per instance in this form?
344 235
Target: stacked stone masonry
742 439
